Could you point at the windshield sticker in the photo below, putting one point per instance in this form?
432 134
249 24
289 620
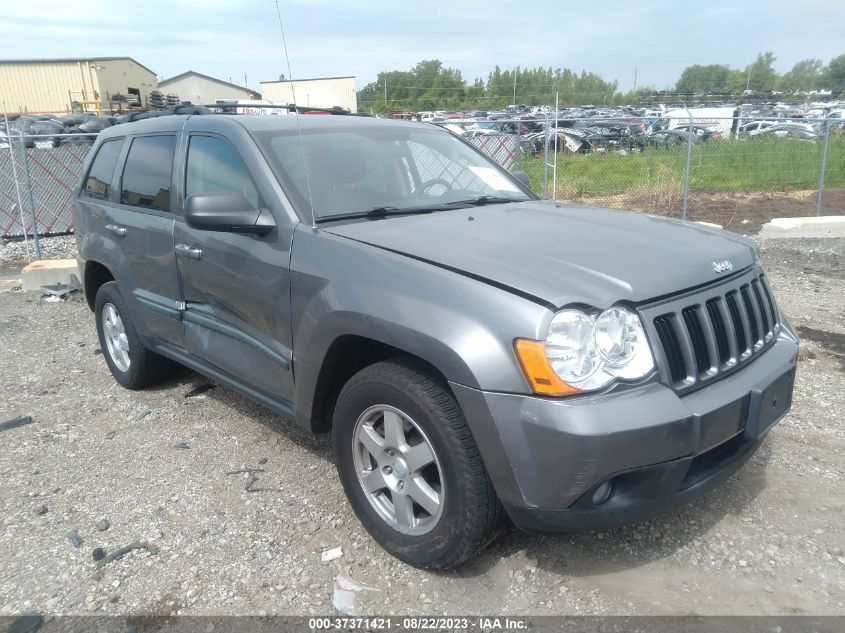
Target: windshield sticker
493 178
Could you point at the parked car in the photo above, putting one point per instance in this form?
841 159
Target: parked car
476 353
787 130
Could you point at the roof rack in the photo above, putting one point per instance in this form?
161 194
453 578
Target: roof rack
185 108
230 108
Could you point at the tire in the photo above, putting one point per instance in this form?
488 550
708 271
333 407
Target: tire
140 367
468 516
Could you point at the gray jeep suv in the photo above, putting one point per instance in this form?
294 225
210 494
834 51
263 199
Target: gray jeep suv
476 353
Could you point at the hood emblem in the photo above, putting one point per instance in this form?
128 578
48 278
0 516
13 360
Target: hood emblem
724 266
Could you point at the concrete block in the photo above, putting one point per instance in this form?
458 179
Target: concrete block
47 272
824 226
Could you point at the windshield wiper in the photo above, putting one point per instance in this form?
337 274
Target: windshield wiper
378 212
480 201
386 210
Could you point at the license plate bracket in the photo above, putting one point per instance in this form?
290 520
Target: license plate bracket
769 405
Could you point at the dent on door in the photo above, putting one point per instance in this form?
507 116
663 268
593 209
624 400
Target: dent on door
237 305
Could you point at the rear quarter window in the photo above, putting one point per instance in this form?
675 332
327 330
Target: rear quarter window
147 173
98 182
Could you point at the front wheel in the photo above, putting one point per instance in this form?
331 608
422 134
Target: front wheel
410 467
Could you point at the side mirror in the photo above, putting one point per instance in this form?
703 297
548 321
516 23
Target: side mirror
522 177
229 212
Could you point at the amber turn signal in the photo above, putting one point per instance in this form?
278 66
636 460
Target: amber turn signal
538 370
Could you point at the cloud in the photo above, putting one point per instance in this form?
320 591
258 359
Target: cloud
226 39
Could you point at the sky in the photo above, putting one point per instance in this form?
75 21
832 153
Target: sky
232 38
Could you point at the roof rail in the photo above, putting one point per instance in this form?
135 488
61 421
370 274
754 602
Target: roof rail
229 108
185 108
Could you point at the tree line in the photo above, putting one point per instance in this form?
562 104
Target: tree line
760 76
432 86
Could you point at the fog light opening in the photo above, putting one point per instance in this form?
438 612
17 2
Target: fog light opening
602 493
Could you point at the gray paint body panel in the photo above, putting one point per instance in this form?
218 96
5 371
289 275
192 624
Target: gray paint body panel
563 253
461 326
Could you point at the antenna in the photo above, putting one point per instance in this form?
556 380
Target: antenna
298 124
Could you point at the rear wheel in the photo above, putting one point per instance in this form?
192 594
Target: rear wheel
410 467
131 363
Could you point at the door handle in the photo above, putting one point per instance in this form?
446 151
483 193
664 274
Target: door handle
114 229
191 252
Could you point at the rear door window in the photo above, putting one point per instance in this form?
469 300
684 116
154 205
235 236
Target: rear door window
98 183
147 173
215 167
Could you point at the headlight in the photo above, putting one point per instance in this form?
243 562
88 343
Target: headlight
586 352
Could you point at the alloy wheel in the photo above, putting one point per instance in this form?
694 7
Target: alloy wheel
398 470
115 335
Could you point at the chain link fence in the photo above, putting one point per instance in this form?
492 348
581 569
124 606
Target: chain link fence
38 176
736 174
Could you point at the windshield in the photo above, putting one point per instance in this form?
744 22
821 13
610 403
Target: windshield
355 169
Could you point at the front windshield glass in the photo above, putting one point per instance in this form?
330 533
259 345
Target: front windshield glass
358 168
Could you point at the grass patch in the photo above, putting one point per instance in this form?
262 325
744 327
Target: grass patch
747 165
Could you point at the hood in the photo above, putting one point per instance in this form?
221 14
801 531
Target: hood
562 253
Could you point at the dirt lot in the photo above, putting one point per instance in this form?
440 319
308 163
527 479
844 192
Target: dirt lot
102 467
743 213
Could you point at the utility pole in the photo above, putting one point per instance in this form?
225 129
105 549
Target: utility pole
748 81
515 71
635 80
245 86
385 90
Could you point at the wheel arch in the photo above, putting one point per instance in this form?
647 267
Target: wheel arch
94 275
347 355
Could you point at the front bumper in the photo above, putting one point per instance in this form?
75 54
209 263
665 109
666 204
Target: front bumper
659 450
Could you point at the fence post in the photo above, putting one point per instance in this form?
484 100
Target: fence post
554 169
31 201
17 185
546 159
823 168
685 208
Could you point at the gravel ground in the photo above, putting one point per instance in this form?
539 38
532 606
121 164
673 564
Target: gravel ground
102 467
18 252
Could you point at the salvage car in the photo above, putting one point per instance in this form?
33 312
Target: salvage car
479 355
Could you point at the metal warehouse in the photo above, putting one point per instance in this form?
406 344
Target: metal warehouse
62 85
323 92
198 88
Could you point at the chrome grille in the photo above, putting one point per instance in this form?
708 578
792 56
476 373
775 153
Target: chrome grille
703 335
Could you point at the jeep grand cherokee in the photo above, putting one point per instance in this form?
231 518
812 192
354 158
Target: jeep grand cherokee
476 353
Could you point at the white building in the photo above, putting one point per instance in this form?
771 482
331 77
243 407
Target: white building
323 92
202 89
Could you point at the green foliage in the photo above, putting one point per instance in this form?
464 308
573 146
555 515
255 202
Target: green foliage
699 79
761 74
432 86
804 76
833 77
